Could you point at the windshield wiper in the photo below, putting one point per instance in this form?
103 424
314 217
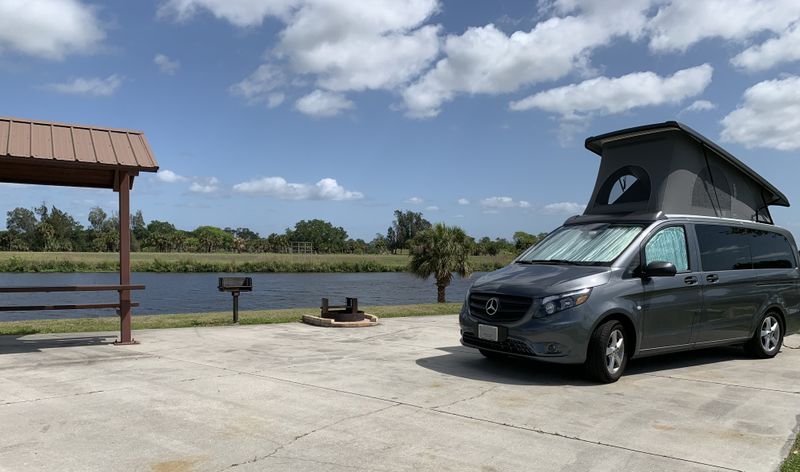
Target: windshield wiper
549 261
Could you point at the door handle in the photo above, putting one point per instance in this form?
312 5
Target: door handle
690 280
712 278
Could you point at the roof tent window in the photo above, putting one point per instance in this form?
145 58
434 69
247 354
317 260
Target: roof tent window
630 184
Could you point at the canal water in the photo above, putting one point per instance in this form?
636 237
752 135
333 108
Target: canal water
189 293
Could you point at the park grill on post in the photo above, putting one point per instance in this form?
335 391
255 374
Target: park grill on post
235 285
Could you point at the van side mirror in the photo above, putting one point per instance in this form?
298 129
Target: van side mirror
658 269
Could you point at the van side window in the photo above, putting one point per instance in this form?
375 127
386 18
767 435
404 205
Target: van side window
668 245
737 248
771 251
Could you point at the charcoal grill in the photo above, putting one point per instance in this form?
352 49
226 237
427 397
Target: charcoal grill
235 285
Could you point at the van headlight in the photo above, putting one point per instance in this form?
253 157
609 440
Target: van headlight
554 304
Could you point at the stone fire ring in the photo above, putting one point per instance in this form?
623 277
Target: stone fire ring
369 320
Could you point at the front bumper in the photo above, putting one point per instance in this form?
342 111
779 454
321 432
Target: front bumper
562 338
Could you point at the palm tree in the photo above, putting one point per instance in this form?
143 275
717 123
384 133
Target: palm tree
440 251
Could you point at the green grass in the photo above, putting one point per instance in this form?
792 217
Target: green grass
83 325
219 262
792 462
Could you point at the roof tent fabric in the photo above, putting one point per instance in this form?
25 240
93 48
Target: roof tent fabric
671 168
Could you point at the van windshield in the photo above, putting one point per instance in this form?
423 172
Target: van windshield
589 244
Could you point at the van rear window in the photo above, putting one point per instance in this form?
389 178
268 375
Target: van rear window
737 248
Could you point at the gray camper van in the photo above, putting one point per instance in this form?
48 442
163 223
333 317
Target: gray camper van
675 251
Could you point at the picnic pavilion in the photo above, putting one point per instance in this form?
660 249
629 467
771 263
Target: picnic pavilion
70 155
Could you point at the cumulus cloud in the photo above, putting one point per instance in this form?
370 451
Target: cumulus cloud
262 86
768 117
351 45
432 208
603 95
486 60
50 29
278 187
774 51
166 65
323 104
563 208
205 185
679 24
497 203
700 105
463 201
92 86
415 200
243 13
168 176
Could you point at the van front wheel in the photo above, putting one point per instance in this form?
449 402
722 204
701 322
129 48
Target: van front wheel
606 357
767 340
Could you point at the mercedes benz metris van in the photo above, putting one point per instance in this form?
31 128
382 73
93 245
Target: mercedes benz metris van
605 291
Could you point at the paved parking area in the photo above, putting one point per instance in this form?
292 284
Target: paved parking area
403 395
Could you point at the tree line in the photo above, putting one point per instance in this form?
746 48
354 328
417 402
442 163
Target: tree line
46 228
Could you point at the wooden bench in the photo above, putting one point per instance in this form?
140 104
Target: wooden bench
69 288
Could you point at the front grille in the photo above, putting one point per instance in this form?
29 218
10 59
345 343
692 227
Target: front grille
509 308
509 345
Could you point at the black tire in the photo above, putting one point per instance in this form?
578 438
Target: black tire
600 366
492 354
767 338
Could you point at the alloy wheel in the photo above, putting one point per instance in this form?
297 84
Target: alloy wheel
770 333
615 351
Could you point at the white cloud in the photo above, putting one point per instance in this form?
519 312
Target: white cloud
463 201
94 86
415 200
48 28
700 105
432 208
262 86
563 208
784 48
242 13
206 185
486 60
607 96
323 104
682 23
166 65
350 45
278 187
169 176
495 203
769 117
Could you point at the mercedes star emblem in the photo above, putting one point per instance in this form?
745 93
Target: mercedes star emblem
492 305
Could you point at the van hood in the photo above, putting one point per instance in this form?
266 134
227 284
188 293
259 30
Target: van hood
541 280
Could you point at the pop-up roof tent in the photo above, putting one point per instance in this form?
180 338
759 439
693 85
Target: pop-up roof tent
671 168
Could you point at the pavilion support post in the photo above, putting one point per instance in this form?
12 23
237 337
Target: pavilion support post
124 187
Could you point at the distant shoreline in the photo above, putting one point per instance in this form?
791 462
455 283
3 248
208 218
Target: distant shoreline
32 262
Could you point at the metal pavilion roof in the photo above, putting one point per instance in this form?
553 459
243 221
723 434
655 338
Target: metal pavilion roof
42 152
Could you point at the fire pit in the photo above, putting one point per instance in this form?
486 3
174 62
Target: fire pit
341 316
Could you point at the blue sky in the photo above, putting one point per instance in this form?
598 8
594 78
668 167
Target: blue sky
265 112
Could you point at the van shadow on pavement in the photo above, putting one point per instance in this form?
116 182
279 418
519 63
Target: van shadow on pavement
469 364
18 344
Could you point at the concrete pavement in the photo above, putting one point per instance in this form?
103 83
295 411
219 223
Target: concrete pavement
403 395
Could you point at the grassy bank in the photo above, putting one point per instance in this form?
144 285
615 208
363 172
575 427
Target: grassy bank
792 462
80 325
188 262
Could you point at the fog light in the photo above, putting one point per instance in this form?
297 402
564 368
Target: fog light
552 348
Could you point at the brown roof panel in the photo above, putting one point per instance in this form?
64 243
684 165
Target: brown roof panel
19 141
63 149
41 141
83 146
4 131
